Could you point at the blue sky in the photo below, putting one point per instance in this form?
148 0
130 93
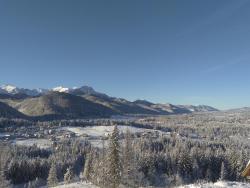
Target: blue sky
177 51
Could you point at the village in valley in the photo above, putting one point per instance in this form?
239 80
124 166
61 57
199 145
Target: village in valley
213 138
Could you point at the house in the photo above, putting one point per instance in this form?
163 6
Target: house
246 172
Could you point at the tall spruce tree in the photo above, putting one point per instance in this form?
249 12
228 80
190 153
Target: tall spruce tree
87 166
3 158
114 167
185 165
129 168
52 178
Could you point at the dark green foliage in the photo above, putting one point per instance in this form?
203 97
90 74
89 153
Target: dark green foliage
114 162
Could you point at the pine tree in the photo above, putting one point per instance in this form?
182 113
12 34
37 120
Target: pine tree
87 167
99 171
102 163
233 166
185 165
52 178
114 168
69 175
3 158
127 155
129 171
3 182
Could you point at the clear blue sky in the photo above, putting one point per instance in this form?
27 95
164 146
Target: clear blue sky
177 51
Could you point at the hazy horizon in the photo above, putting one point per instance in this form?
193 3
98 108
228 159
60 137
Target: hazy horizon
180 52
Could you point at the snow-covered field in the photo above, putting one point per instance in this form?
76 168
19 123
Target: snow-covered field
77 185
42 143
97 131
218 184
93 132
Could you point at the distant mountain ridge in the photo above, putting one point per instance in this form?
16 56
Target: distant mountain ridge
13 90
80 102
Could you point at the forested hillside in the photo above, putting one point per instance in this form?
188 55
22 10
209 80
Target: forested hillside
182 149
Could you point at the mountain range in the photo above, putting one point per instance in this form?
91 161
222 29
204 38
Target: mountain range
13 90
79 102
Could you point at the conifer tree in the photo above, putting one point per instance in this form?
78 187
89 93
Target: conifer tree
185 164
69 175
114 167
52 178
3 182
129 171
87 167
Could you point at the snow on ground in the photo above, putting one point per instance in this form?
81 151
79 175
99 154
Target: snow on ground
77 185
218 184
97 131
41 143
94 133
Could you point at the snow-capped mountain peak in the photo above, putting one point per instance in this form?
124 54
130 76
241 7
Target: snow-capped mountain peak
75 90
10 89
61 89
13 90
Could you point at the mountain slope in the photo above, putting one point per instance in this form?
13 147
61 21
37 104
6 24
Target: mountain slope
144 107
199 108
79 102
121 106
63 105
8 112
